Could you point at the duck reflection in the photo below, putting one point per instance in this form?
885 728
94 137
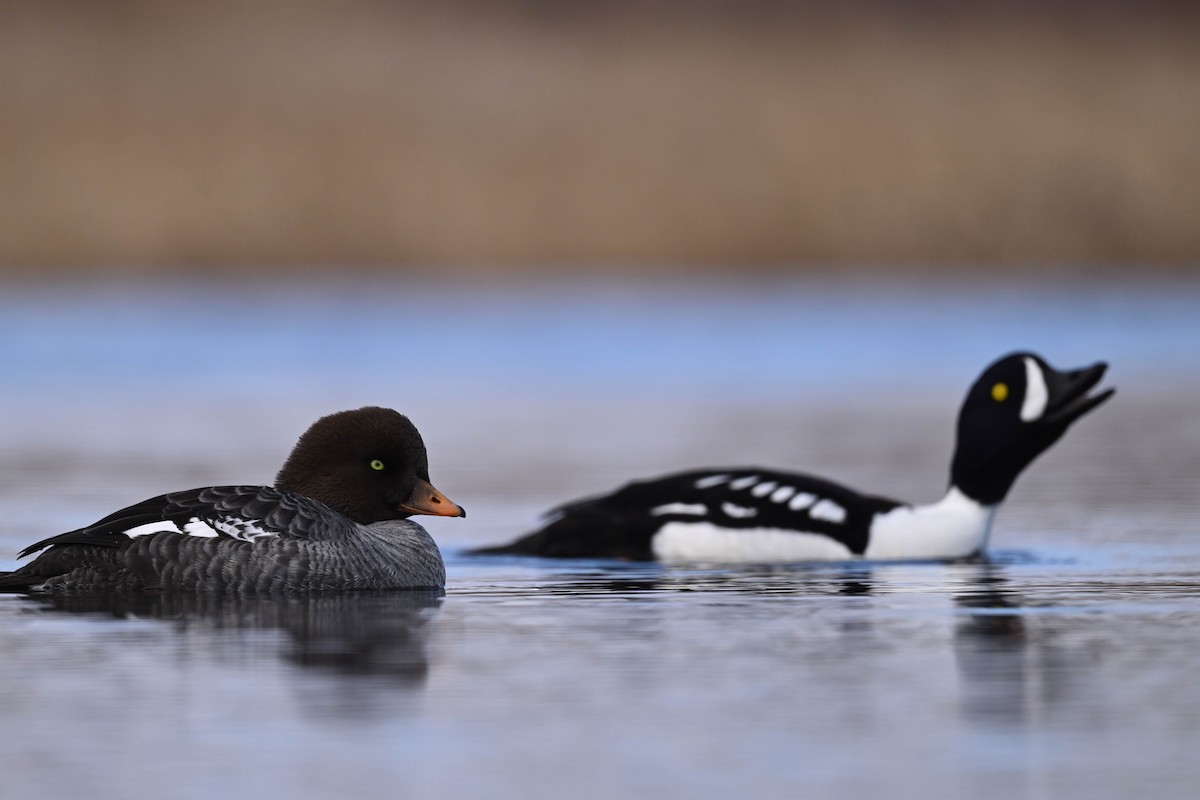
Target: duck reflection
359 633
767 580
1011 672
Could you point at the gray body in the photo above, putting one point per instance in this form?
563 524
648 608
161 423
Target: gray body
394 554
337 518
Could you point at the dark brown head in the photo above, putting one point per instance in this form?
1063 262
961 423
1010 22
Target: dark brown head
369 464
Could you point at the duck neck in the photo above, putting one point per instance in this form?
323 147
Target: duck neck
983 477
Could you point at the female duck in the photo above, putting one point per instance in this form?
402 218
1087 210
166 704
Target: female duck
337 518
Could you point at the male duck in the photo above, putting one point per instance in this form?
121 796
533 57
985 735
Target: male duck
335 519
1017 409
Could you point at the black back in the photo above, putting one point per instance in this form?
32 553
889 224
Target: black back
622 524
236 512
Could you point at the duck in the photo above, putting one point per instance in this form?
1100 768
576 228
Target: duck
1016 409
336 518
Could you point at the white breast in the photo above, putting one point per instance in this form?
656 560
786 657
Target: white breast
954 527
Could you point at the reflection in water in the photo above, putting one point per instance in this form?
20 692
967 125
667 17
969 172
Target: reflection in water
360 633
990 645
1014 673
621 579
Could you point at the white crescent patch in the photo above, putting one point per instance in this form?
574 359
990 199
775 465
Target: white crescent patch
1036 394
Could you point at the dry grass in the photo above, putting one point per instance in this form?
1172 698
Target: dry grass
153 134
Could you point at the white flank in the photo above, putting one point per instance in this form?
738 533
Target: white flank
744 483
828 510
782 494
954 527
802 500
149 528
711 481
703 542
1036 394
764 489
679 508
738 512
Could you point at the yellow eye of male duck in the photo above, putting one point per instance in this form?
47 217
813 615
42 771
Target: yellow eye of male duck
1000 392
377 464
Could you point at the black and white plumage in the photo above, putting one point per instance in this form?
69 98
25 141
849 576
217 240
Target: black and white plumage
1015 410
335 519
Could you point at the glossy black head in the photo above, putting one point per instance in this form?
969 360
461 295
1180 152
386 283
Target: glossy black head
1016 410
369 464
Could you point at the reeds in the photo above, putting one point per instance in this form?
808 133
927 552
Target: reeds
152 134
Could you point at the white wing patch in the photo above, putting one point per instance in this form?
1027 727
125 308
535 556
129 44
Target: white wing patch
782 494
802 501
711 481
828 510
764 489
198 527
246 530
744 483
680 508
148 528
818 508
738 512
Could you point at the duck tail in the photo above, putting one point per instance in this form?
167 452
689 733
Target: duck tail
15 582
582 531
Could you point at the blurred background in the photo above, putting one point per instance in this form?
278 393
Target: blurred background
526 135
581 242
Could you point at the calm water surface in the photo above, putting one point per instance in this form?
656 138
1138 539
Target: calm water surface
1063 665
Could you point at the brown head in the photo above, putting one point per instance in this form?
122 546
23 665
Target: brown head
369 464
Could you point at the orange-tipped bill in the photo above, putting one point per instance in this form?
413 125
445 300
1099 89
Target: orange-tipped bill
427 500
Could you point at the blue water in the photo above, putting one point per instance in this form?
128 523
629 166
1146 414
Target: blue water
1063 667
782 336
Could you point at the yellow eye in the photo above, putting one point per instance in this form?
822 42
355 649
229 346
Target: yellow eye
377 464
1000 392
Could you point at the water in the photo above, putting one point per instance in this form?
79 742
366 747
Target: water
1063 666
